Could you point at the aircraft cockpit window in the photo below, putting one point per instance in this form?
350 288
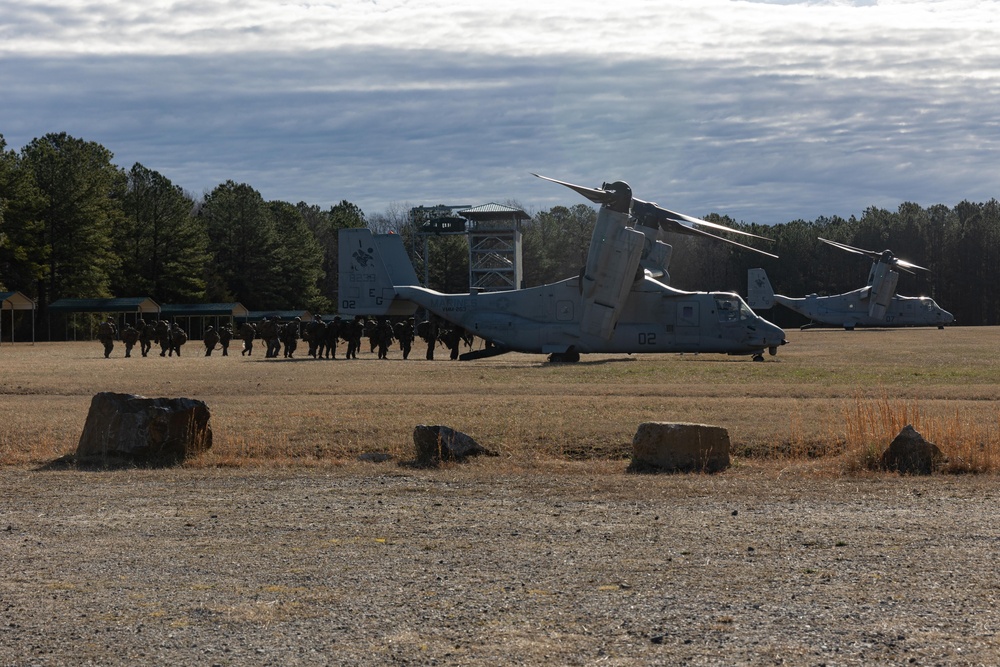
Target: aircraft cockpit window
732 310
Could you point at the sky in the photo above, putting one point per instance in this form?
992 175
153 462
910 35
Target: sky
765 111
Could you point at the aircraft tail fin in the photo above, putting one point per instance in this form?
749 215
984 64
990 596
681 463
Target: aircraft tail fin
760 294
370 268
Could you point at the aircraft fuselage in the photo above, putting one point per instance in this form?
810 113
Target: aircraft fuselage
851 309
656 318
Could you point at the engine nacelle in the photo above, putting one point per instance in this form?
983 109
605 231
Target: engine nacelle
883 288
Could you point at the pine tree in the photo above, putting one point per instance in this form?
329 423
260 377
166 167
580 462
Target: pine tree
162 245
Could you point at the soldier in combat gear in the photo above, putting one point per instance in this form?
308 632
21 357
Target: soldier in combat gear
130 336
404 334
314 335
383 335
274 337
177 338
269 334
371 332
147 332
290 337
106 333
247 332
163 337
330 336
428 330
211 339
355 330
453 339
225 336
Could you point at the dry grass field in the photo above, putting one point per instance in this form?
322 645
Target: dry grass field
280 547
828 393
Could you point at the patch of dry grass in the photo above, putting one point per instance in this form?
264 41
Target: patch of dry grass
970 445
827 394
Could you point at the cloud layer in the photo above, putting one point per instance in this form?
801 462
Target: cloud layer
765 111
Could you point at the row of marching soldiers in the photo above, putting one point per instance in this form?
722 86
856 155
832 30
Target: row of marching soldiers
282 338
322 337
170 337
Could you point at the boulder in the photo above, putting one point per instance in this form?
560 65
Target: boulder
910 454
678 446
441 443
156 431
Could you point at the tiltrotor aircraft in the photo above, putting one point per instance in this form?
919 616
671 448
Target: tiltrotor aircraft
616 304
875 305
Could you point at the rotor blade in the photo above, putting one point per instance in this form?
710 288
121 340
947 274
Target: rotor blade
857 251
682 219
595 195
903 264
684 229
678 222
896 262
647 212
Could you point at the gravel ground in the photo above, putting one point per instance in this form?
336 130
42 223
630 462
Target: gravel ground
481 565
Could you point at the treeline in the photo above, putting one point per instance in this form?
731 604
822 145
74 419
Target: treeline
73 224
960 246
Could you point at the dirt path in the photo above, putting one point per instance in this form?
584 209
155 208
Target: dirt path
473 565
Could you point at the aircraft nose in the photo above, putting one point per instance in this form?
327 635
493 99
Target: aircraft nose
774 335
768 335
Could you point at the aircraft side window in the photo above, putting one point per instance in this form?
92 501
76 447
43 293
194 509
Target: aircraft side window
687 314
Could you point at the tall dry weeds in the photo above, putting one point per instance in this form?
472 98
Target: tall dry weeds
969 445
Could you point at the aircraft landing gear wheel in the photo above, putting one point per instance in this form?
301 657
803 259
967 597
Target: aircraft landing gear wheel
564 357
758 356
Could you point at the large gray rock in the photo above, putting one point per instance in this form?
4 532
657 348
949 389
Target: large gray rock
158 431
909 453
441 443
678 446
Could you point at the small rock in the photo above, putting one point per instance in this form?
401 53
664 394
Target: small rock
909 453
441 443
